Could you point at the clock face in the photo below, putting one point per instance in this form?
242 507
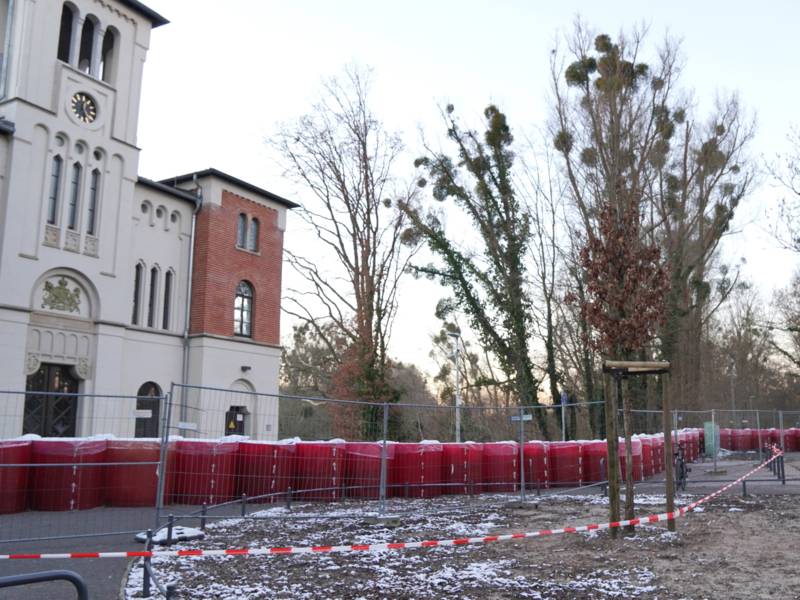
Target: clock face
84 107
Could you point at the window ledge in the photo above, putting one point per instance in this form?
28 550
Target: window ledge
253 252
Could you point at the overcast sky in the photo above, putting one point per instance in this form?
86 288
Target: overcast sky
221 75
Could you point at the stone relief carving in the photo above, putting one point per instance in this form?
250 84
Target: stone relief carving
51 236
60 297
32 363
82 368
90 246
72 242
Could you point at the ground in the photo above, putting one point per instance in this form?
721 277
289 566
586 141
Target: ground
732 548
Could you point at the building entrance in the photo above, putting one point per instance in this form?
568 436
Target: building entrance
51 412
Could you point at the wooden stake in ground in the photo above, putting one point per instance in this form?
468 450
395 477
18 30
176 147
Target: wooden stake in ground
613 451
668 471
628 431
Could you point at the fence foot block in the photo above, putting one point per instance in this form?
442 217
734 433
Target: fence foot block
383 520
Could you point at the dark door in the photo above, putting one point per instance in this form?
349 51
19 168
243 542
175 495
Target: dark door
148 398
235 419
53 412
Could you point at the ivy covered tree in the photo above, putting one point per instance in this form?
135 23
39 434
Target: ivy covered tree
485 268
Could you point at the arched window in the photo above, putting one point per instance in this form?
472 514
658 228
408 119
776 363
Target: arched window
86 47
151 305
108 56
91 210
55 185
241 231
65 33
137 292
252 236
243 310
167 299
74 192
148 407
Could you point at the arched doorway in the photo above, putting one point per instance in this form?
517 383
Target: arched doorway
53 411
148 410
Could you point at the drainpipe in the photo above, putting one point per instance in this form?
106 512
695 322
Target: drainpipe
188 308
7 51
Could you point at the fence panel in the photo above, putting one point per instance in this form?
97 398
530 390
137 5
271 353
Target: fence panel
98 481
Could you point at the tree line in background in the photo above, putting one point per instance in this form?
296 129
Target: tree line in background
597 238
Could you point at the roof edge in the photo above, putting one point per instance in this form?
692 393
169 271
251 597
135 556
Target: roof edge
155 19
168 189
212 172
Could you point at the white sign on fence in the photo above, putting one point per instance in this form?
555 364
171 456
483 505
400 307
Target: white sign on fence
142 413
187 426
524 417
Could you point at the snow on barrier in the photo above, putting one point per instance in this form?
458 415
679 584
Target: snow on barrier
464 541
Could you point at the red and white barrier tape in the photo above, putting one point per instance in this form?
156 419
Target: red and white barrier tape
398 545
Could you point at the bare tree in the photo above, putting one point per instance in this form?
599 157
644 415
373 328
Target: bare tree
345 160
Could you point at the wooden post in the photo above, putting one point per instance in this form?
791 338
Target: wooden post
613 452
668 470
628 431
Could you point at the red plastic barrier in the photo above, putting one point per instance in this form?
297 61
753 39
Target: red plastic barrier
741 440
205 471
565 464
462 468
636 455
67 487
774 436
265 470
417 470
362 468
701 440
648 467
658 453
791 440
319 470
595 461
133 485
501 467
14 480
537 465
726 438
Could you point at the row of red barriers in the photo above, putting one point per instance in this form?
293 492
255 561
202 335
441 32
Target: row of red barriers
220 470
747 440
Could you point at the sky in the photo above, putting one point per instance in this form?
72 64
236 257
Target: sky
221 76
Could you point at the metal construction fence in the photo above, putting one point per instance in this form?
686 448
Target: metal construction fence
218 453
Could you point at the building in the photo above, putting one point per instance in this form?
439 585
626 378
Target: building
110 283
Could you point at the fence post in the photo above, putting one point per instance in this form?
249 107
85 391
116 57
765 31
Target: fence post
715 441
166 412
522 454
384 453
668 458
758 428
148 546
780 424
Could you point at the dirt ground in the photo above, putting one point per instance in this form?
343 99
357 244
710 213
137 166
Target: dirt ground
731 548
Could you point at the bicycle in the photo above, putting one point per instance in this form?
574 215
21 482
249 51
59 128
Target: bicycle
681 469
